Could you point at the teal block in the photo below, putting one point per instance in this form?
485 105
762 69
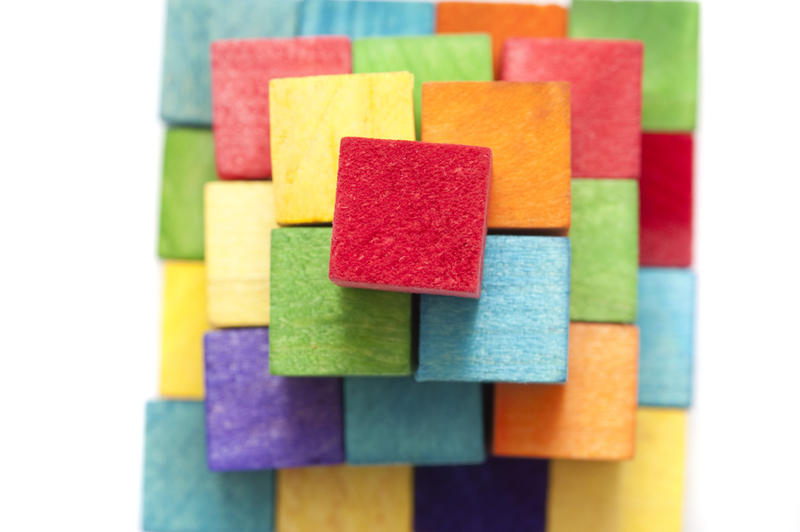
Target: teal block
358 19
241 19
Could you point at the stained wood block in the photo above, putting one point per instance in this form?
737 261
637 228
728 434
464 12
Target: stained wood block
514 120
669 31
180 493
319 328
410 216
365 19
244 19
518 329
606 86
592 416
308 118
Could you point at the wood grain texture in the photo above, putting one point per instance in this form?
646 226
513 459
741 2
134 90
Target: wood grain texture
365 19
246 19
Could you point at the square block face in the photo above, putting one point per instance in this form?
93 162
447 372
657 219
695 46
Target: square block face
180 493
240 73
515 120
606 86
669 31
308 118
242 19
592 416
605 252
358 19
517 330
397 420
319 328
410 216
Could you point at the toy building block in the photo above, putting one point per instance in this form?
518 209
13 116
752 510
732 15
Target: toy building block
645 493
245 19
181 494
358 19
592 416
240 73
669 31
606 87
319 328
410 216
308 118
517 330
604 239
515 120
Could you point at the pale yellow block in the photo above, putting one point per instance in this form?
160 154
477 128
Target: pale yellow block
308 118
239 217
183 325
345 499
640 495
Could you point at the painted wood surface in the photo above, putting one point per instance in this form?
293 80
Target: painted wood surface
360 18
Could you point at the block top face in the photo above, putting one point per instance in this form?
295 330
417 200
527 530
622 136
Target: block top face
365 19
410 216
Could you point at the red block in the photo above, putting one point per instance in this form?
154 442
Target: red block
410 216
665 237
606 84
240 74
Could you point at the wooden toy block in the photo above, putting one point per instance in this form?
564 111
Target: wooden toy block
183 324
397 420
410 216
365 19
319 328
181 494
605 255
606 87
240 74
515 120
243 19
665 232
517 330
308 118
669 31
666 321
239 218
645 493
592 416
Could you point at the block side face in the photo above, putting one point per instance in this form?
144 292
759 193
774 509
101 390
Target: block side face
366 19
241 19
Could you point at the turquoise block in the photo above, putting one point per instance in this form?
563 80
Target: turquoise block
241 19
517 331
666 323
397 420
181 494
366 19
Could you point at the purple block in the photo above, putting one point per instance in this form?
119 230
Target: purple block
503 494
255 420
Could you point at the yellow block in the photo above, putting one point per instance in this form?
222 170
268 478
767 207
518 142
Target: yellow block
308 118
239 217
640 495
345 498
184 323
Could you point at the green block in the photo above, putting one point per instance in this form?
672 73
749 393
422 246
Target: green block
605 250
466 57
188 165
669 31
318 328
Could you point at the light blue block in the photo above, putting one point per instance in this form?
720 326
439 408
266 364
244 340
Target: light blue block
241 19
181 494
366 19
399 421
517 331
666 322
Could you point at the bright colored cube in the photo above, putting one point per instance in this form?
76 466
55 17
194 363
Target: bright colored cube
361 18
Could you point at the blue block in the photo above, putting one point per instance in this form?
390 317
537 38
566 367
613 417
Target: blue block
666 322
241 19
517 331
400 421
366 19
181 494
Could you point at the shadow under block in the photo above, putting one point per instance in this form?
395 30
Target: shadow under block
515 120
410 216
319 328
246 19
645 493
181 494
669 31
308 118
358 19
606 87
605 255
517 330
239 220
345 499
591 417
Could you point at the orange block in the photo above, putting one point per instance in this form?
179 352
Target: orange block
527 126
592 416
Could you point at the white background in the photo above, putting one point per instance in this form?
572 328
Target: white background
80 159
